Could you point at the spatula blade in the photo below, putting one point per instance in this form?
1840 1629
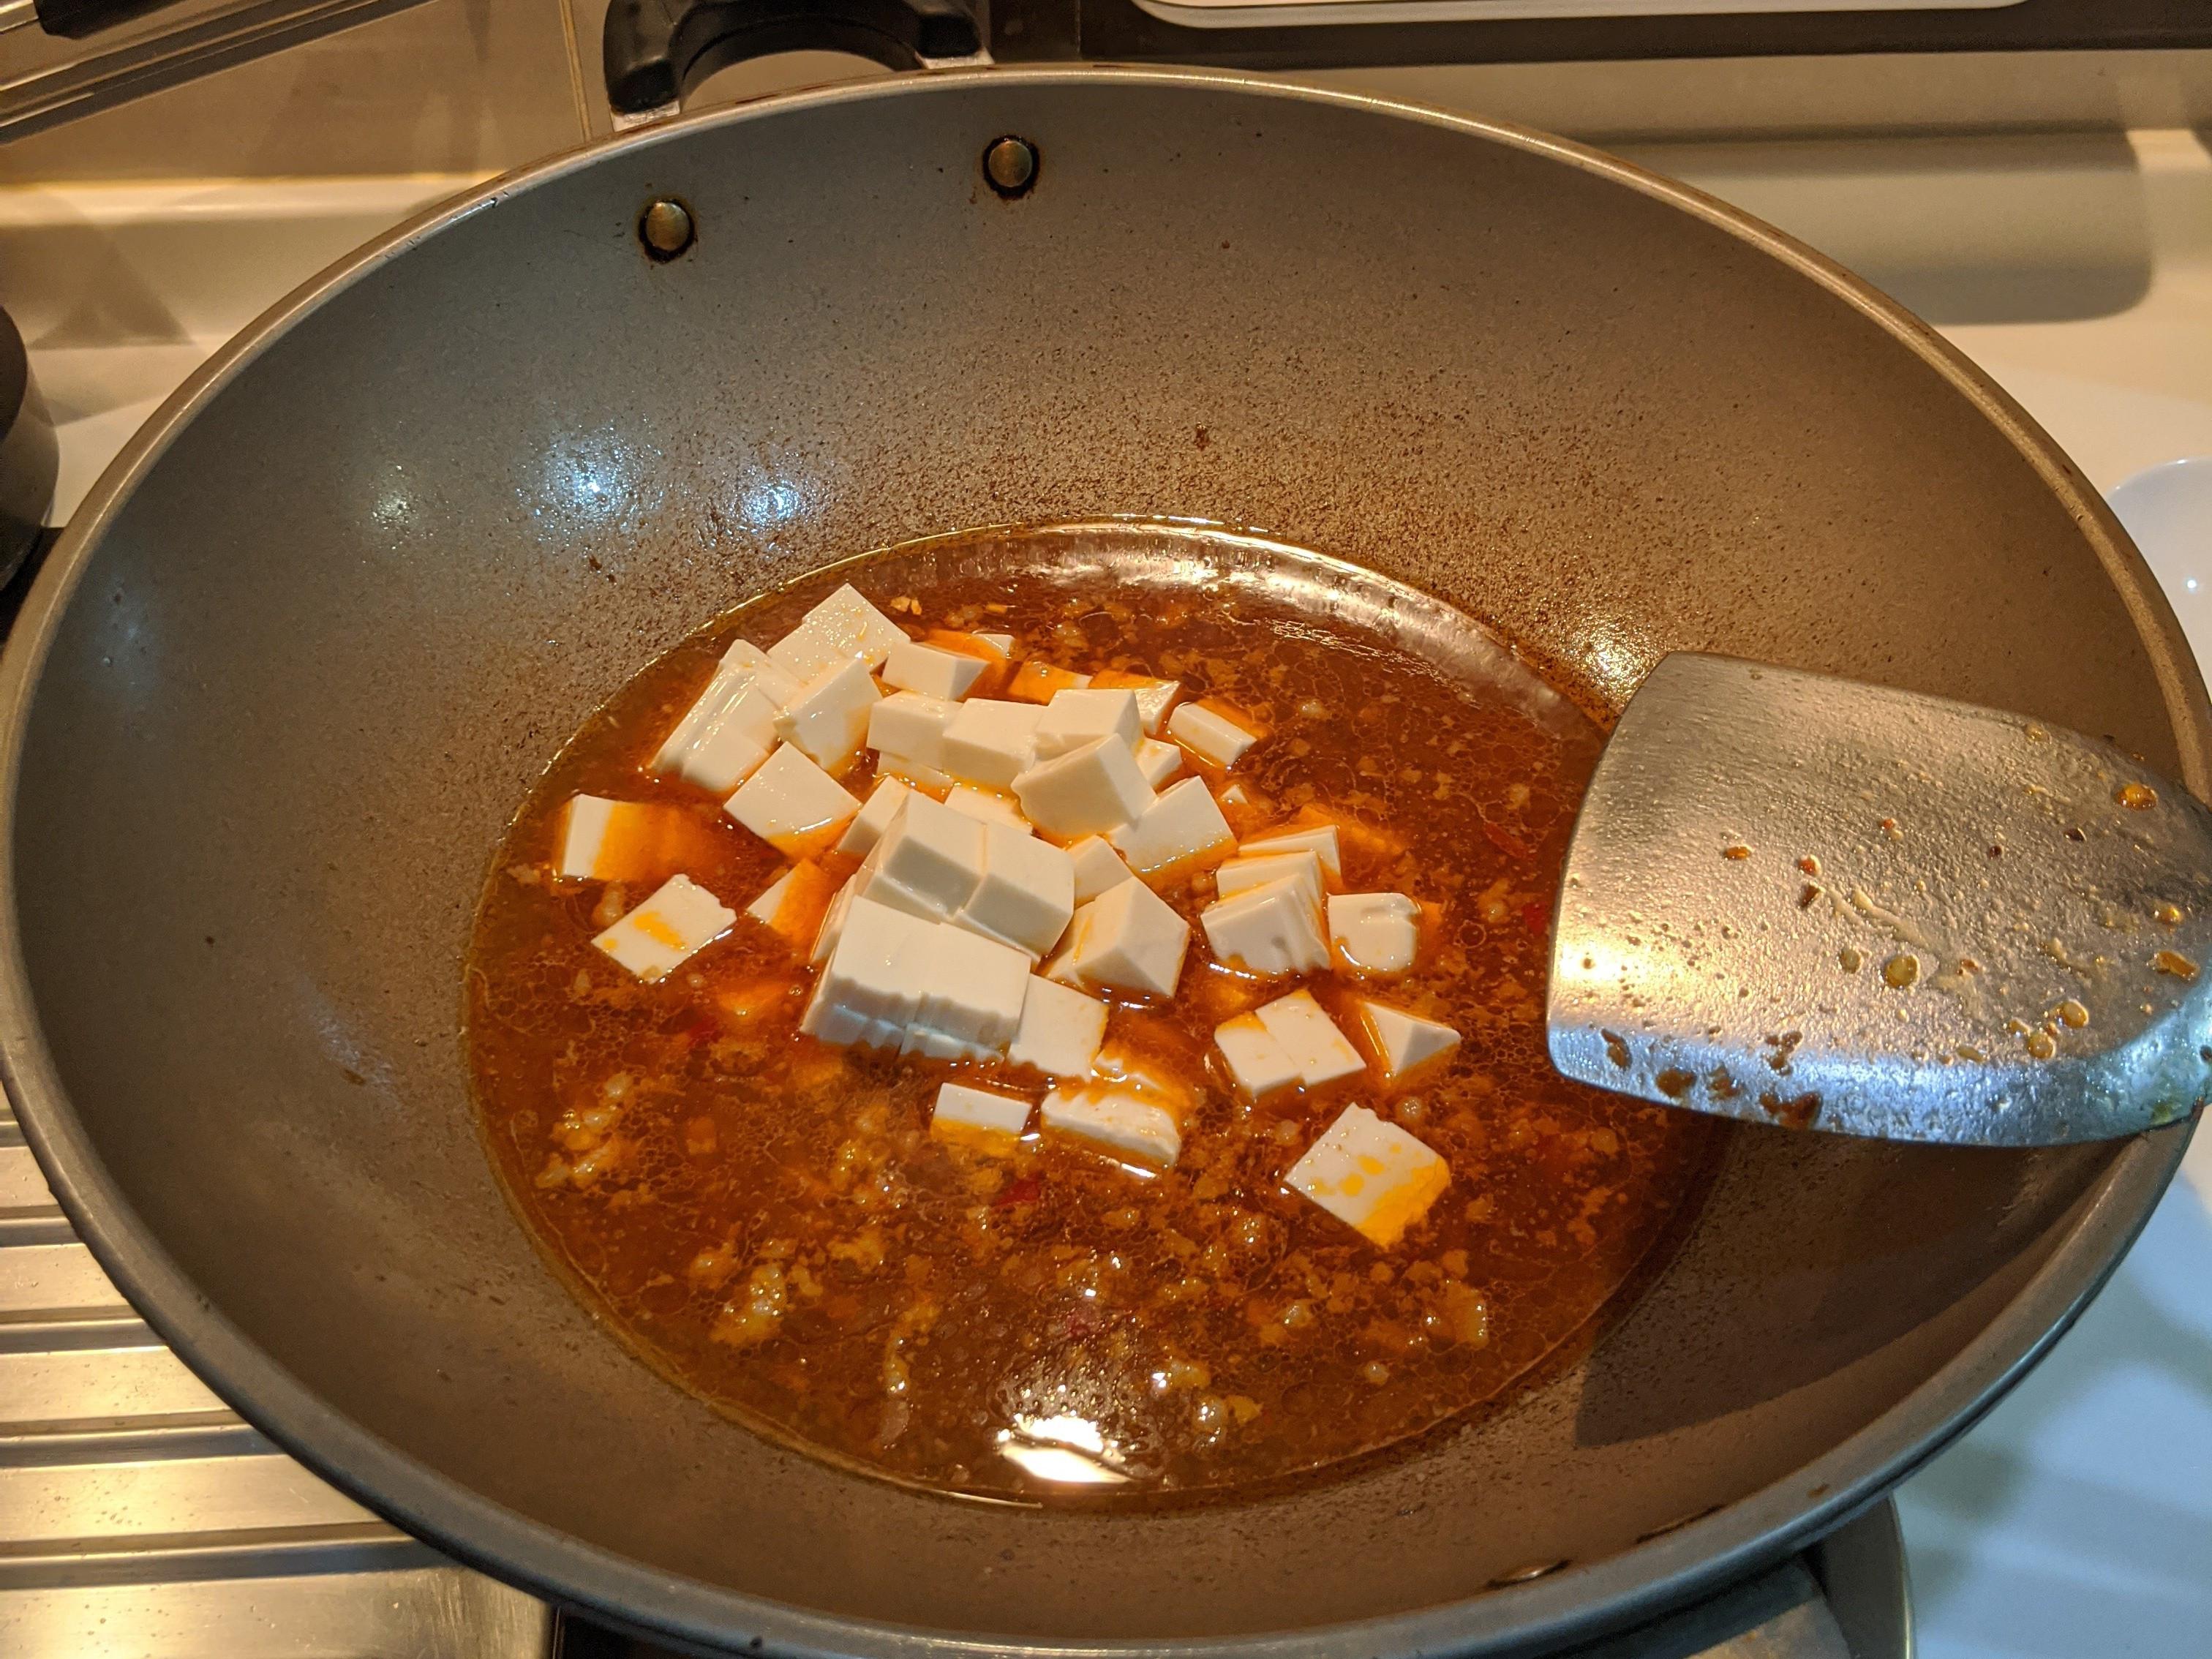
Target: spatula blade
1801 900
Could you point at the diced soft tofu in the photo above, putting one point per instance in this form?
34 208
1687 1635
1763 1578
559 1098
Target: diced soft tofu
795 902
745 658
1372 1175
912 726
1184 829
990 741
1404 1042
1257 870
1311 1038
793 805
1274 929
680 919
1075 717
1260 1065
1038 681
1128 939
908 770
1116 1122
873 980
1094 788
1321 841
1374 933
977 1117
724 735
971 997
1210 733
895 980
985 807
1120 1066
1097 868
1061 1030
928 862
833 923
1158 761
1154 697
869 824
1027 892
1003 642
828 720
932 671
603 840
843 628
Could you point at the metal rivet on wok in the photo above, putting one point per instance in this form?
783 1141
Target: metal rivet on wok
1011 165
666 227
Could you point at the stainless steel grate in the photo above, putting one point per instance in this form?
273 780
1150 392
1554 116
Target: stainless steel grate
141 1519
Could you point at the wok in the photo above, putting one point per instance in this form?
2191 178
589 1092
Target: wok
273 697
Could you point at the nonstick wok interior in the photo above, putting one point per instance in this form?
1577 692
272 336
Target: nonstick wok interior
325 630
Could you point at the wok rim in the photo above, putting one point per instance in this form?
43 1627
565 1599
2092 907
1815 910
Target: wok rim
1578 1604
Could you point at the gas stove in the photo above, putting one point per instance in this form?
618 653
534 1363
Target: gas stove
139 1516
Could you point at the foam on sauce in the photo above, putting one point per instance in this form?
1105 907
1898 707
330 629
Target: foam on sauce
768 1221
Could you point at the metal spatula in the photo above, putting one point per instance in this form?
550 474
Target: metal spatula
1804 901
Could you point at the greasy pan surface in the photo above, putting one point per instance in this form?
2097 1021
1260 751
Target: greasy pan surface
275 697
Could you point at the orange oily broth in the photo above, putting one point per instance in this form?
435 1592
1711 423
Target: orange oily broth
768 1221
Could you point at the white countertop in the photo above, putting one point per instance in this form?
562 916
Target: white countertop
2077 269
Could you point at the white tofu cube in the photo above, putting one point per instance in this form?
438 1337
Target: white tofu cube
1061 1030
828 720
793 805
1184 829
764 908
1027 892
1372 1175
972 989
1154 697
932 670
1074 718
985 807
1374 933
1159 762
977 1117
990 741
1035 680
868 825
928 862
1311 1038
1321 841
1260 1065
911 726
1272 929
724 736
833 923
843 628
586 831
1116 1122
872 983
1404 1042
1128 939
748 660
1210 734
680 919
1097 868
1004 642
1257 870
1094 788
795 904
